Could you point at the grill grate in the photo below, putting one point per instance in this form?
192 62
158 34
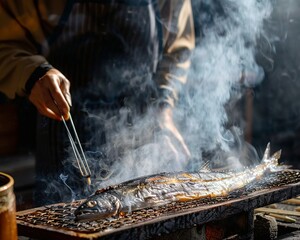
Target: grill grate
60 216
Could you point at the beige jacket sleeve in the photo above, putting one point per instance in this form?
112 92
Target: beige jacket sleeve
179 41
23 43
20 34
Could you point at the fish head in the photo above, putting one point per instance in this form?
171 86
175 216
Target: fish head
98 206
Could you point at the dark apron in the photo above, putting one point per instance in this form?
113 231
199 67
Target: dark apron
109 51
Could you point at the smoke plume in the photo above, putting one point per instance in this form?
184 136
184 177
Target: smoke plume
207 113
223 67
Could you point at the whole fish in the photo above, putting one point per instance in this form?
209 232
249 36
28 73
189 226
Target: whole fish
160 189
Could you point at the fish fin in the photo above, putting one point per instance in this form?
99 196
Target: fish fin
276 155
266 157
273 158
274 166
272 161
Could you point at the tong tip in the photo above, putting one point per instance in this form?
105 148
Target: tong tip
88 179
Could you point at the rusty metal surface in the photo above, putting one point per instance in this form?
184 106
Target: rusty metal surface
57 221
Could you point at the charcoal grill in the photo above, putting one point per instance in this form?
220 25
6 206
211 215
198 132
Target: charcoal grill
58 222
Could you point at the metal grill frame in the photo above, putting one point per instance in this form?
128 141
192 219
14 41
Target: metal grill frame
170 221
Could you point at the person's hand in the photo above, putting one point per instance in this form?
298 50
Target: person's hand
173 138
51 95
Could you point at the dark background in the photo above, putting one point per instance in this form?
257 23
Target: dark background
276 100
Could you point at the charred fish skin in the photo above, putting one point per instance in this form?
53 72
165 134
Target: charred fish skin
160 189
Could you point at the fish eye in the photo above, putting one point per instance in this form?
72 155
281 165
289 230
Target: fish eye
91 203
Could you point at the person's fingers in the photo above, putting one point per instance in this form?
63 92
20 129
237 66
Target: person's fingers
57 95
173 157
48 95
167 124
181 142
49 113
47 89
65 88
37 98
50 103
42 109
169 127
167 141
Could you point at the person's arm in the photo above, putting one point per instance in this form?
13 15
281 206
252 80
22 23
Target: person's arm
21 63
179 42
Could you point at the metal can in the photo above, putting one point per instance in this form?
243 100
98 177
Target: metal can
8 224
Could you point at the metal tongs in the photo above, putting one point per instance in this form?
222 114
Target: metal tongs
78 151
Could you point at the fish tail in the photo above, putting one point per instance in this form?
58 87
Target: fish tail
276 156
272 162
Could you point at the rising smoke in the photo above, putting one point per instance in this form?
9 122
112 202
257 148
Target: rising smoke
207 114
223 65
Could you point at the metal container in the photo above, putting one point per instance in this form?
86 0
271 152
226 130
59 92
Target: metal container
8 225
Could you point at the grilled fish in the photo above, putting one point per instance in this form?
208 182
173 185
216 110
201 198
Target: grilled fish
160 189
